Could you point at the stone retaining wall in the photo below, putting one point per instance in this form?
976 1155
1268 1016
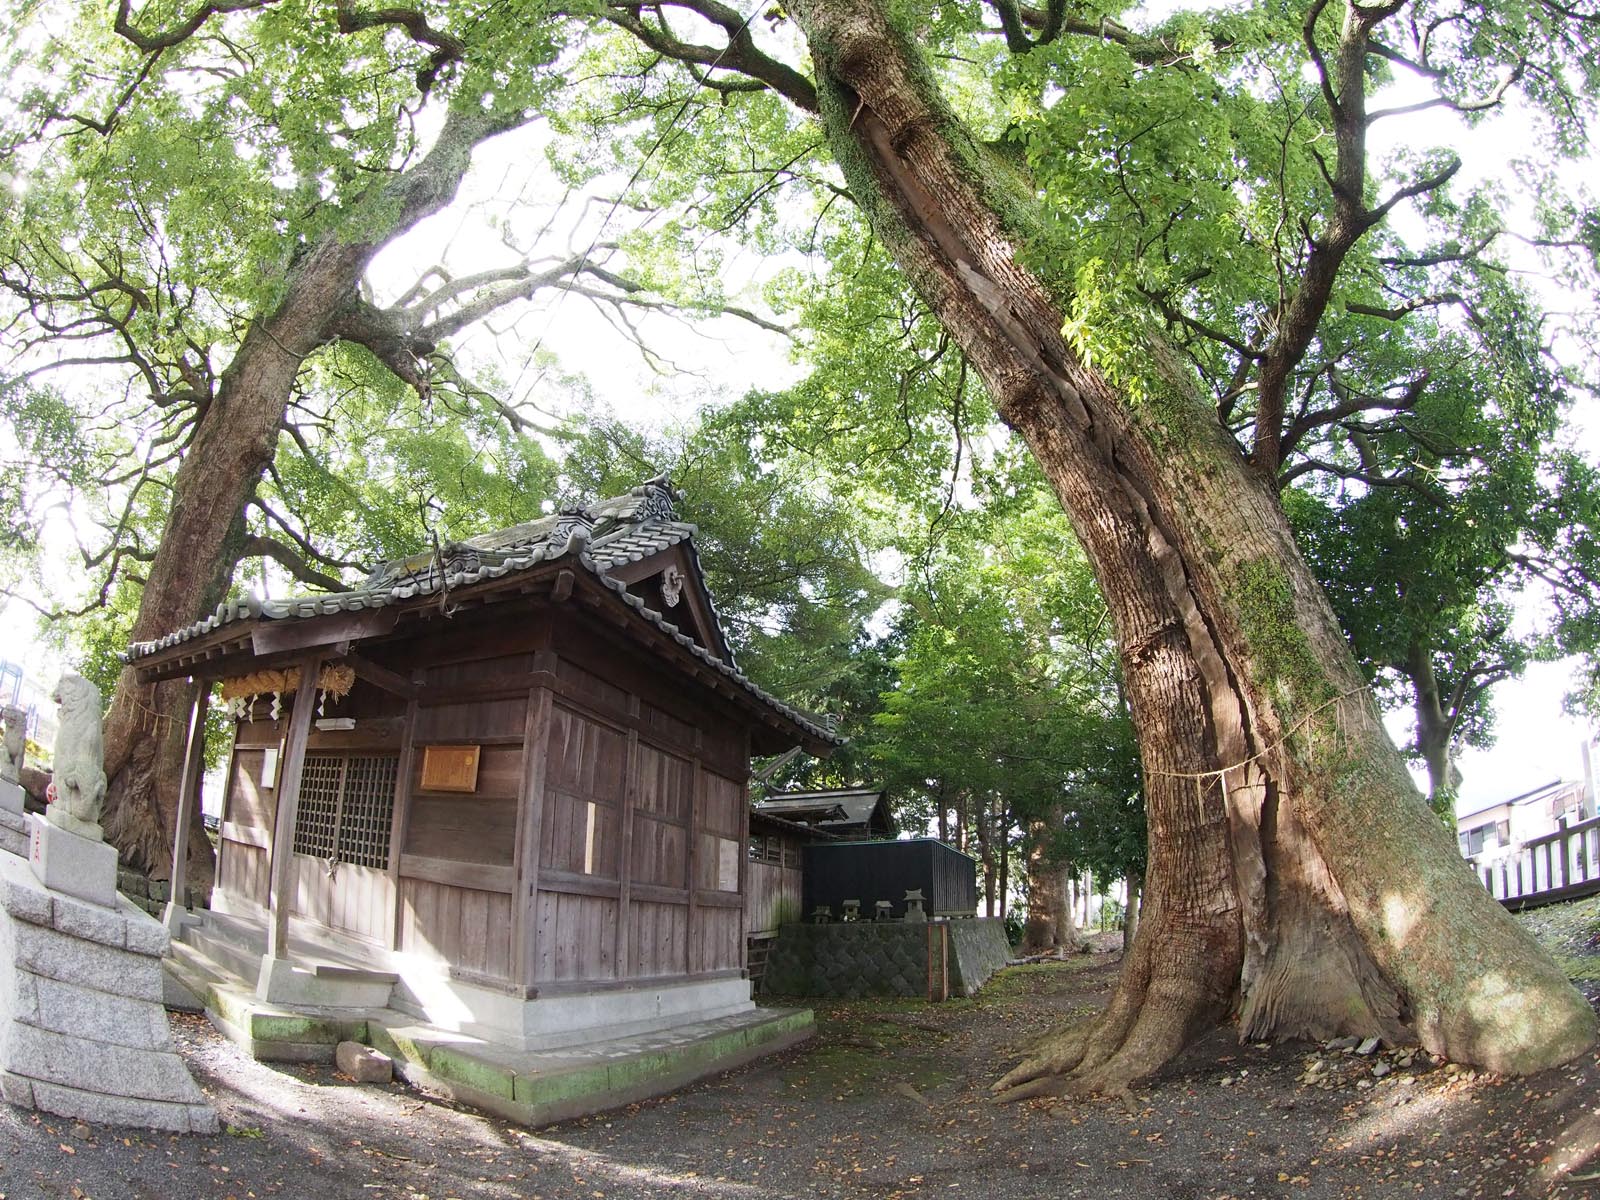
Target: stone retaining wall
882 958
978 948
151 895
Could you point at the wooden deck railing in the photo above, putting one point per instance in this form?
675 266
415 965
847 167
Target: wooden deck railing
1557 866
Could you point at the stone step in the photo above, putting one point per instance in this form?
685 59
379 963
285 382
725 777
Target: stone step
237 948
353 975
240 960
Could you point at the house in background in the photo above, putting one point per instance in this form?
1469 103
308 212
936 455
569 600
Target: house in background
22 690
1538 846
1522 818
500 788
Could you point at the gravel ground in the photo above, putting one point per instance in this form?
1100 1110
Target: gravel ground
889 1101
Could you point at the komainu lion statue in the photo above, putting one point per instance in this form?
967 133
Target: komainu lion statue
16 743
80 777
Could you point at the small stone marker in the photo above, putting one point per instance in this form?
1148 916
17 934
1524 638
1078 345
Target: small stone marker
363 1063
883 910
852 910
821 915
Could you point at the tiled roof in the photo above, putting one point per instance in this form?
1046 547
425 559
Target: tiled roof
846 806
600 538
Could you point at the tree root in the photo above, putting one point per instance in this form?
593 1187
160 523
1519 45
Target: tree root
1139 1032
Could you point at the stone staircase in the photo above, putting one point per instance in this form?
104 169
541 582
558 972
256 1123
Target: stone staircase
238 944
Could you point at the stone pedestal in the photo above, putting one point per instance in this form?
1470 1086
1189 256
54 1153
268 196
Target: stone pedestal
13 821
65 862
82 1030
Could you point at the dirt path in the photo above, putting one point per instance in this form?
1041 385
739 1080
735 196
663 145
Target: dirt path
890 1101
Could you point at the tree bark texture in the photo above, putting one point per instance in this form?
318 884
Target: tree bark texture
1435 732
1130 918
1295 876
1003 823
235 437
1049 925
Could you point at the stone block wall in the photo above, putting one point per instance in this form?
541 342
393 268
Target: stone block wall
881 958
151 895
82 1030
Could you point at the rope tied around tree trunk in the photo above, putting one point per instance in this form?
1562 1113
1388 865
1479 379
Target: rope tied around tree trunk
1220 773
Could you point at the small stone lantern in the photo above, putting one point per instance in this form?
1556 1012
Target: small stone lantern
914 909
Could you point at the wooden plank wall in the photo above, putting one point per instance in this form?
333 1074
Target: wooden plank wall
468 927
717 938
358 901
456 872
642 840
773 896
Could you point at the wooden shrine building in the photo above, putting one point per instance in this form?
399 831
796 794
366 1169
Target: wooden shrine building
510 775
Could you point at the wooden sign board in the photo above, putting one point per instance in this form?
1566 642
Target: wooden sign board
450 768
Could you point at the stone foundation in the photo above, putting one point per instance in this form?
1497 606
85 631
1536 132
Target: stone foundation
82 1030
13 822
152 895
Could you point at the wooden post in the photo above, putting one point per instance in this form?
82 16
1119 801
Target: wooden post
188 791
622 948
289 773
401 817
691 920
530 824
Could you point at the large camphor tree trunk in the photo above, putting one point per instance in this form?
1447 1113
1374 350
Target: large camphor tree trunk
1130 918
1049 925
1294 874
235 437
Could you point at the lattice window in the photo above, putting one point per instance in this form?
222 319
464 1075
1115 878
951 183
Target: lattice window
346 808
316 820
758 847
368 811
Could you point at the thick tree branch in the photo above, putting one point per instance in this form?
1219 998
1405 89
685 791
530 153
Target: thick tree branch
261 546
1401 311
154 43
446 49
306 548
741 54
1343 84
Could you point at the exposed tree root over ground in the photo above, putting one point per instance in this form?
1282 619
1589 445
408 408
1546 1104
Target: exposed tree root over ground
892 1101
